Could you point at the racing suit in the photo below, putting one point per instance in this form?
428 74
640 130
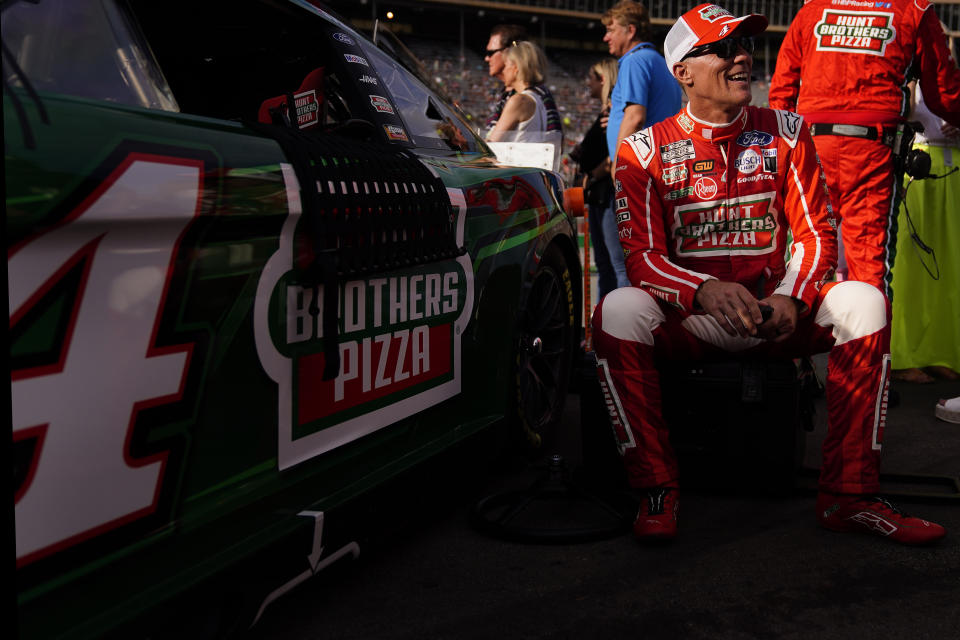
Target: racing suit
855 58
697 201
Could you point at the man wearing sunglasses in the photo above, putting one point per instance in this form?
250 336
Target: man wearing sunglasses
845 67
645 92
705 203
501 37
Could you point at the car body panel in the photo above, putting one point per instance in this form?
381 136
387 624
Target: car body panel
170 412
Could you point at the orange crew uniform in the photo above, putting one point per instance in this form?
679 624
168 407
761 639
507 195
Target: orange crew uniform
845 65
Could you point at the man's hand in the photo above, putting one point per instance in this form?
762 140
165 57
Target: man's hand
783 318
732 306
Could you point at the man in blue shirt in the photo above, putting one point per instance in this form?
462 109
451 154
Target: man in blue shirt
645 92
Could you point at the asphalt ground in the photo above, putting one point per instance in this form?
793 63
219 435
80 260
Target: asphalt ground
745 565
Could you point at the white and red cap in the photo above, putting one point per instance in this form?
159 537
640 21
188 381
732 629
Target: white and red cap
704 24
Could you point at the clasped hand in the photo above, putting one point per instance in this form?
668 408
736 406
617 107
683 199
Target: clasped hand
738 312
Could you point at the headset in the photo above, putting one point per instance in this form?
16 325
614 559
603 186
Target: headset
916 164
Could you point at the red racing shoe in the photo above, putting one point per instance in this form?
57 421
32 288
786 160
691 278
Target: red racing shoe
657 518
874 515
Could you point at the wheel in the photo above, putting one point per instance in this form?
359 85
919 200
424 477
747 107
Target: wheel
548 326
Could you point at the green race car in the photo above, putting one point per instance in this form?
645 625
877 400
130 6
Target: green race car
256 269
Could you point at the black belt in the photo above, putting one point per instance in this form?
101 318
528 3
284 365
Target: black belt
855 131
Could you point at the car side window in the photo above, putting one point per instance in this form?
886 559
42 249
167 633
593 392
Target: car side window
431 122
86 49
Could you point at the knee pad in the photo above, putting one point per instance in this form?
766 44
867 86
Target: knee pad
630 314
854 310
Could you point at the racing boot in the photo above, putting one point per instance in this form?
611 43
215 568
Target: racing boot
876 516
657 518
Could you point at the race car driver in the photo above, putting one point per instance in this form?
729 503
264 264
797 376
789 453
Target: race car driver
704 203
845 66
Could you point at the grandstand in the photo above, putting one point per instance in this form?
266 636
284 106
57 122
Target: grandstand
449 36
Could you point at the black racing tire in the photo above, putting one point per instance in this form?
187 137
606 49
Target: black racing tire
548 333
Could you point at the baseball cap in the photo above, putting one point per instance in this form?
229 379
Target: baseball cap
704 24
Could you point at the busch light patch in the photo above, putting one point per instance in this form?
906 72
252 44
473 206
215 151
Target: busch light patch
678 151
748 161
864 32
750 138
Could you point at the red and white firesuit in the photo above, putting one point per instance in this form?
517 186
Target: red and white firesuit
847 63
697 201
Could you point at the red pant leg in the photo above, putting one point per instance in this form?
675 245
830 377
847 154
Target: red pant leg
862 186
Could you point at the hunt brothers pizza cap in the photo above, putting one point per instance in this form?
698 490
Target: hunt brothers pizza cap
704 24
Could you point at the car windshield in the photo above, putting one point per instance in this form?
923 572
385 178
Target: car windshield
87 49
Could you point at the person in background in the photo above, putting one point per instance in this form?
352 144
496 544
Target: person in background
524 115
844 67
925 340
710 197
501 37
595 163
645 92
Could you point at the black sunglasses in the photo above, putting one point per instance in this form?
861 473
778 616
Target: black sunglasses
513 43
726 48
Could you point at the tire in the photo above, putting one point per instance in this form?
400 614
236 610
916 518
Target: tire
547 338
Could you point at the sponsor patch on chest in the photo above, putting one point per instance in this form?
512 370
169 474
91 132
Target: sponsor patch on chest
678 151
745 226
675 174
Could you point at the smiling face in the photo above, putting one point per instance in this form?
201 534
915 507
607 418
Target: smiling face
716 87
619 38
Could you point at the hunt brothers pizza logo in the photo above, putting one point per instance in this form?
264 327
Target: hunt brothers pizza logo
399 343
745 227
855 31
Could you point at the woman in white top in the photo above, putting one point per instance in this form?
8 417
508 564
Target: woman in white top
524 118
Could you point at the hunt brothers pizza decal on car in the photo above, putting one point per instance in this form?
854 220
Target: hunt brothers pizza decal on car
744 226
308 111
400 344
855 31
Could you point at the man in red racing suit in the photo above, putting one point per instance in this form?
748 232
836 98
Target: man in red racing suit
704 212
845 67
